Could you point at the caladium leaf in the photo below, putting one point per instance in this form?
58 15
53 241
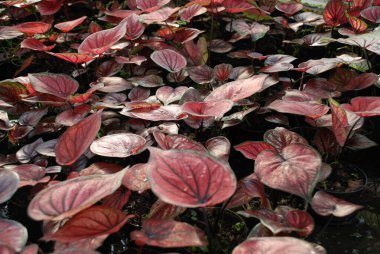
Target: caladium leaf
118 199
169 59
277 245
91 222
207 109
150 5
254 29
334 13
361 81
99 42
60 85
138 94
47 148
162 211
9 184
281 137
70 25
340 125
310 109
236 6
190 12
76 139
357 25
201 74
168 234
321 88
189 179
295 169
27 152
147 81
237 90
220 46
177 141
164 113
136 178
250 149
359 141
32 117
73 57
65 199
35 44
364 106
31 28
49 7
289 8
371 13
114 84
325 204
167 94
77 250
134 28
30 174
219 147
73 116
118 145
108 68
13 234
223 71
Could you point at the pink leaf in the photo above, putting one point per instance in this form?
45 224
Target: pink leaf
250 149
164 113
207 109
168 234
114 84
169 60
76 139
190 12
295 169
371 13
32 117
305 108
167 94
73 57
136 178
138 94
49 7
219 147
91 222
35 44
13 234
340 125
31 28
150 5
73 116
281 137
238 89
162 211
364 106
361 81
9 184
189 179
27 152
118 145
134 28
60 85
30 174
175 141
201 74
65 199
325 204
70 25
223 71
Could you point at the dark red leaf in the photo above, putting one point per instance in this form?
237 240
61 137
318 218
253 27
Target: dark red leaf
371 13
310 109
76 139
201 74
30 174
31 28
176 141
334 13
169 60
136 178
48 7
70 25
208 108
60 85
189 179
118 199
73 57
340 125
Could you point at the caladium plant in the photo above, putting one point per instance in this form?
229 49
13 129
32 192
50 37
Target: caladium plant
117 119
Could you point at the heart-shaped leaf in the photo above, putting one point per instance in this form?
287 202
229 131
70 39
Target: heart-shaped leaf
177 141
89 223
162 211
118 145
73 57
13 234
190 12
70 25
30 174
219 147
134 28
168 234
76 139
136 178
167 94
334 13
364 106
9 184
35 44
60 85
281 137
189 179
371 13
250 149
305 108
73 116
207 109
325 204
169 60
295 169
65 199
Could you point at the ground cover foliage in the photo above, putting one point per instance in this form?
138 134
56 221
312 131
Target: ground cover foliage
204 126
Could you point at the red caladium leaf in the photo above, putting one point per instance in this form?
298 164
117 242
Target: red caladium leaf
340 125
76 139
70 25
295 169
176 141
189 179
30 249
222 71
91 222
134 28
219 147
254 29
138 94
250 149
13 234
186 34
168 234
35 44
358 25
207 109
114 84
11 92
371 13
27 152
7 33
168 94
359 141
325 204
158 16
118 145
147 81
32 117
164 113
9 184
320 88
190 12
30 174
150 5
361 81
364 106
73 57
60 85
49 7
138 60
101 168
284 218
289 8
78 250
237 90
47 148
31 28
310 109
201 74
198 53
136 178
220 46
108 68
99 42
334 13
162 211
67 198
281 137
277 245
73 116
169 60
118 199
236 6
